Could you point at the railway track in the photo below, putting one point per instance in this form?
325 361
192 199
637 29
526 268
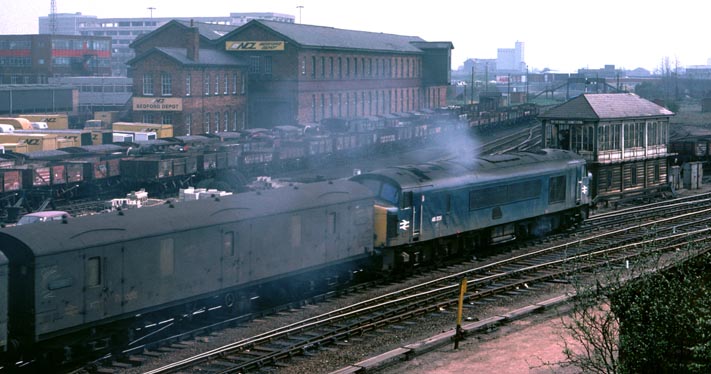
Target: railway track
554 259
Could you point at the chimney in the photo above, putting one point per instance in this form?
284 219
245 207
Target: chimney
193 42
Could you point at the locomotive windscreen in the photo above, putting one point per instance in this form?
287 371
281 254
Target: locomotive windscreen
384 190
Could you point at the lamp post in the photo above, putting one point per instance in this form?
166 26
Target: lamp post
151 9
300 7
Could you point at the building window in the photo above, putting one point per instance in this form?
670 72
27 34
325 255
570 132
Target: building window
313 108
348 67
217 121
227 84
323 67
235 121
166 84
348 104
254 64
217 84
313 67
340 68
147 84
370 67
188 84
147 118
243 86
189 123
323 106
362 67
206 130
234 83
330 105
355 67
267 64
330 68
167 119
207 84
226 120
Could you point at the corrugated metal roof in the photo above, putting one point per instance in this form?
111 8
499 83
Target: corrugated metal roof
330 37
104 229
606 106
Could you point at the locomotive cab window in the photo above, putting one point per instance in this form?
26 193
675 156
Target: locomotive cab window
556 189
406 200
385 191
93 272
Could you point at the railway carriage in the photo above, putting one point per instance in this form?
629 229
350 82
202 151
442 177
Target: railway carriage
84 273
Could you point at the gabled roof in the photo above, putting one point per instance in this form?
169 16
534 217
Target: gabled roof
606 106
208 31
206 57
333 38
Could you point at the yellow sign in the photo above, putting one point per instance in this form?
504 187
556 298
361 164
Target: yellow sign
158 104
255 46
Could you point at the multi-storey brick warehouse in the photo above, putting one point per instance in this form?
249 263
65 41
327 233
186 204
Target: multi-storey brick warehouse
302 73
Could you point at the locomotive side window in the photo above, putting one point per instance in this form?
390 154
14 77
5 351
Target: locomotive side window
228 243
167 257
93 272
501 195
556 189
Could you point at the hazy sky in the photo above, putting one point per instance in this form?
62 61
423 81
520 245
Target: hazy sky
563 35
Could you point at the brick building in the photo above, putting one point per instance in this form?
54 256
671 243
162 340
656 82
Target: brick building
31 59
180 79
295 74
304 73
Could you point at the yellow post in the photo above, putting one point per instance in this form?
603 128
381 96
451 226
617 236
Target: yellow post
459 334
